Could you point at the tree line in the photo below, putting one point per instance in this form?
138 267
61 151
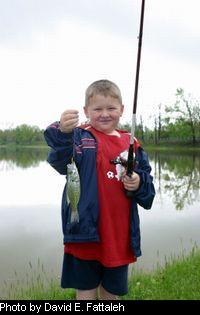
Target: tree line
22 135
180 123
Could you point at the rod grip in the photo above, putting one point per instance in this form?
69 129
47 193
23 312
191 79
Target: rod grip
130 168
129 194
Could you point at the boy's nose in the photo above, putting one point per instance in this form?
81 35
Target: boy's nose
104 113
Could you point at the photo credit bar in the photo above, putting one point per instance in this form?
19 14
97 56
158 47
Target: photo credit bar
37 307
123 306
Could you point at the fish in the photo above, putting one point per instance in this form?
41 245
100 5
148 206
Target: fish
73 191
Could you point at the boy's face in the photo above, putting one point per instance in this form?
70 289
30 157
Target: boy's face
104 113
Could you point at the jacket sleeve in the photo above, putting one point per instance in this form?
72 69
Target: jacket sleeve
146 192
61 147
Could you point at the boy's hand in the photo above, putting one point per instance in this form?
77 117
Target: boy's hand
131 183
69 120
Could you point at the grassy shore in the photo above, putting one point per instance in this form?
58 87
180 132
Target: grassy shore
12 146
159 147
179 279
171 147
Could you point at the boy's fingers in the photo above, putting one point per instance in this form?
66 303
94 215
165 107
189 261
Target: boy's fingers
70 111
128 178
134 176
71 122
68 114
69 117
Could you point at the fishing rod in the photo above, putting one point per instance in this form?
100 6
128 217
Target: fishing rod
130 164
131 158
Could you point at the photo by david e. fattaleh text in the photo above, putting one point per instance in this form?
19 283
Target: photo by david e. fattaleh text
37 307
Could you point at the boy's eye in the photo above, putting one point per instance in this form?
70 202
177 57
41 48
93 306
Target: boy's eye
111 108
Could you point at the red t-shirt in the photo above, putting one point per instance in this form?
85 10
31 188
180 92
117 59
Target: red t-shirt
114 248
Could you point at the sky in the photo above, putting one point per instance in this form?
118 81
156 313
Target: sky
51 50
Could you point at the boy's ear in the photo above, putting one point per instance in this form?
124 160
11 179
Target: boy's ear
122 110
86 111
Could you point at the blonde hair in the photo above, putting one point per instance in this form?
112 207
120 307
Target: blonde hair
103 87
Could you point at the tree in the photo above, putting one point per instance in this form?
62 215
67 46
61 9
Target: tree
22 135
155 130
159 122
185 112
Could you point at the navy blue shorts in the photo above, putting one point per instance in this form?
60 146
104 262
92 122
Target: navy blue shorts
89 274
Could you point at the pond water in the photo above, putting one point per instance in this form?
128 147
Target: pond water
30 223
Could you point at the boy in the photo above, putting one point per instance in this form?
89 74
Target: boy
106 238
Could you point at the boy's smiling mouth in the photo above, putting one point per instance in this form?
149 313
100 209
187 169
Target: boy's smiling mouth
105 120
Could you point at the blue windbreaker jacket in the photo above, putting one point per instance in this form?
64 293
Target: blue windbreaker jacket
82 145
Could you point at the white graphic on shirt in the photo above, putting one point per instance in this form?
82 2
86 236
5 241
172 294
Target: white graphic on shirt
110 175
119 168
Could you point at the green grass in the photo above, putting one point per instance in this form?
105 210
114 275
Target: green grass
171 147
8 146
179 279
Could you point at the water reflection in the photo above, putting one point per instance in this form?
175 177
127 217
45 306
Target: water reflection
23 158
177 174
30 210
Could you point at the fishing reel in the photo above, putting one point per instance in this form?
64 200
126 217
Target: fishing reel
119 160
129 165
122 160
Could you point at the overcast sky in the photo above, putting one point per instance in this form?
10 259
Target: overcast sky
51 50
